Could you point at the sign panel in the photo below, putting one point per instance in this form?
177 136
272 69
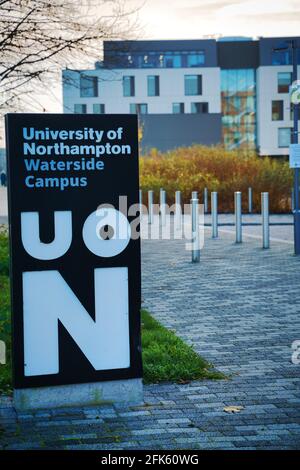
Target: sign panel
294 155
75 251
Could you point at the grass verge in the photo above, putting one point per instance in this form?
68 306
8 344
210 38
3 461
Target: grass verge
165 356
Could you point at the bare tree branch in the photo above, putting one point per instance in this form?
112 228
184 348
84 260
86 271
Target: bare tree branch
40 37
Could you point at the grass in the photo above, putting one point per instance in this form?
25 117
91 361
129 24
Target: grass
165 356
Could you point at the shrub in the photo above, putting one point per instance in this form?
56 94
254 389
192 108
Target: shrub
194 168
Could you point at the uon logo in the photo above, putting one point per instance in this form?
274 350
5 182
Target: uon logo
47 297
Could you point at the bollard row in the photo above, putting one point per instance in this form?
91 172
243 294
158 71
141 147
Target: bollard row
178 219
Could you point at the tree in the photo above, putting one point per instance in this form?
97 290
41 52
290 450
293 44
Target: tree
38 38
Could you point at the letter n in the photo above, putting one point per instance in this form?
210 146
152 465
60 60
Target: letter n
47 298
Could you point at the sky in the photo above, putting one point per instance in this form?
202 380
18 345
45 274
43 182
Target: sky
196 19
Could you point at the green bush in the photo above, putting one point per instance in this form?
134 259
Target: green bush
194 168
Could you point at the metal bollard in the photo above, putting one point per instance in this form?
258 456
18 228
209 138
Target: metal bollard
141 203
195 231
178 211
250 200
238 216
150 207
205 200
162 207
214 214
194 194
265 219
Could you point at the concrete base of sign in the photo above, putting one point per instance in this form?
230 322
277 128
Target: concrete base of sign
115 391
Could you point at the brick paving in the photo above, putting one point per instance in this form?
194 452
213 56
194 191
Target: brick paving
239 308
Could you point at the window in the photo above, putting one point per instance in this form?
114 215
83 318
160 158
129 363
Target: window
195 59
138 108
171 59
178 108
193 85
98 108
277 110
128 86
153 85
282 57
199 108
88 86
284 137
80 108
284 81
155 59
238 95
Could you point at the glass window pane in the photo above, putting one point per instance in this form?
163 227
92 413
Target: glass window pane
143 108
138 108
284 82
282 57
98 108
199 108
195 59
88 86
128 86
277 110
178 108
80 108
238 95
153 85
284 137
193 84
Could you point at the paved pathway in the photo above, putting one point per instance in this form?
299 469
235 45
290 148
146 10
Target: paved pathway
240 309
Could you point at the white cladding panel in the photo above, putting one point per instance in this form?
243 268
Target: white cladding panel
267 91
110 90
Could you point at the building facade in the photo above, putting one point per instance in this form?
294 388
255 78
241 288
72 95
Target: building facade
231 92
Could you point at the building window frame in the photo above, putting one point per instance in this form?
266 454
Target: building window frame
199 107
101 108
283 86
180 108
192 89
153 85
82 106
128 85
138 108
288 130
277 114
88 86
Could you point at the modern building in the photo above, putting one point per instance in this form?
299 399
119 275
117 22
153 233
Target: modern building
232 91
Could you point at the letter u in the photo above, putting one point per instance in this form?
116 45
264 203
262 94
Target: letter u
31 238
28 135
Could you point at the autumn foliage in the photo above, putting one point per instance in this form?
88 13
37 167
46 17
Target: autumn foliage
194 168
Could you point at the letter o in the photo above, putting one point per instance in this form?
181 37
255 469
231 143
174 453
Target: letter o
91 232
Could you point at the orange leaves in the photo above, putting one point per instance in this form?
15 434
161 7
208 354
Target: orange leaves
193 168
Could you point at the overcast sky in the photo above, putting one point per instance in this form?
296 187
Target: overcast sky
194 19
173 19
